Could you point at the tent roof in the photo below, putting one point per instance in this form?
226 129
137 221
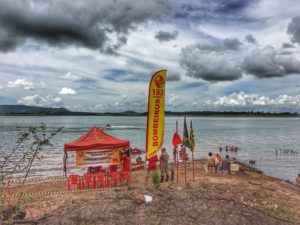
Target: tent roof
96 139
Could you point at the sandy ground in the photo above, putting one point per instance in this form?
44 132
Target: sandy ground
245 198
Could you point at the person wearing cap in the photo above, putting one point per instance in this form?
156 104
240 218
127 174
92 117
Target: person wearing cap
164 161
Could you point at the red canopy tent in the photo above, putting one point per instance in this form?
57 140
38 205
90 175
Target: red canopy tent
96 139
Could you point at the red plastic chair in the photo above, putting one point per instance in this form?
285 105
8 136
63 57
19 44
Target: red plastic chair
113 168
88 180
74 180
100 178
115 179
125 176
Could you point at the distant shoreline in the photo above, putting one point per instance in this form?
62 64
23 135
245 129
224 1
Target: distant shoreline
23 110
167 115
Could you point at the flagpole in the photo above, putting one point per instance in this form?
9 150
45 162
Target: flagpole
177 160
193 165
184 163
184 148
193 161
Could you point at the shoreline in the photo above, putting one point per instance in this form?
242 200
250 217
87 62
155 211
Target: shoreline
144 115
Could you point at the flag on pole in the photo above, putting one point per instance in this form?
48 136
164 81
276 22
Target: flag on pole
186 140
192 138
176 140
156 114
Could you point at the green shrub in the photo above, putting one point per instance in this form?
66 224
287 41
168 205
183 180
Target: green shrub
155 179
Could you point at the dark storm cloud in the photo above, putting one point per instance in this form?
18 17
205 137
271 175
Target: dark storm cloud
287 45
208 65
266 63
166 36
286 53
294 29
231 43
220 45
250 39
102 25
215 10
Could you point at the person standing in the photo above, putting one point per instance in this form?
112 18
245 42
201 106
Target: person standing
226 165
164 161
210 163
125 159
218 162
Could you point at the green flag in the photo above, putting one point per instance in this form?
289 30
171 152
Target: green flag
186 140
192 138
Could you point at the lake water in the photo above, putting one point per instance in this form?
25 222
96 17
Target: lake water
257 138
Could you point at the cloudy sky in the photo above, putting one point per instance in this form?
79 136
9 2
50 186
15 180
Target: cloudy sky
91 55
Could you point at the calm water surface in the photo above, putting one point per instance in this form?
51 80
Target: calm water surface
257 138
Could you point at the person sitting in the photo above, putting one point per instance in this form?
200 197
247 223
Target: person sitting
218 162
210 162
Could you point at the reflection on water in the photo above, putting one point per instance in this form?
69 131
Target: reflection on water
257 138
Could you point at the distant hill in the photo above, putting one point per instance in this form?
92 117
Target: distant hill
23 109
10 110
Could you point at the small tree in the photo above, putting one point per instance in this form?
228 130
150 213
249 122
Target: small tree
19 160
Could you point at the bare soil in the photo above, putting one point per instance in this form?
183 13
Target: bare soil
245 198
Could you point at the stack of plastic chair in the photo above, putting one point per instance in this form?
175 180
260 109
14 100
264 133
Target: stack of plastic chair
100 178
88 181
125 177
74 180
115 180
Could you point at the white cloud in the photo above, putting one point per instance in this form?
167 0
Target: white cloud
42 84
174 98
37 100
28 88
124 97
71 76
242 99
67 91
1 87
27 85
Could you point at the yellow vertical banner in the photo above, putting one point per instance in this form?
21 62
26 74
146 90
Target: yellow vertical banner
115 158
156 113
